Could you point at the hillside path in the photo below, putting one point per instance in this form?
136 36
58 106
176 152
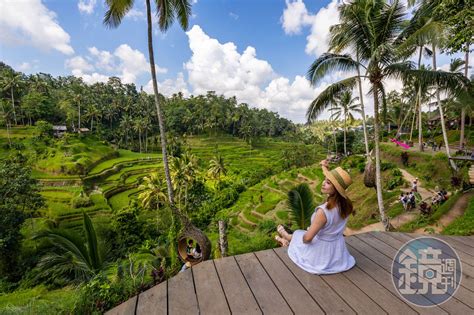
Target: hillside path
424 193
401 219
456 211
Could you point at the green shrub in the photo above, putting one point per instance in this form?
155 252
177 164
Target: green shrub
81 202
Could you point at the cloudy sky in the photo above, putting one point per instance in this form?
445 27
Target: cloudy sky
258 51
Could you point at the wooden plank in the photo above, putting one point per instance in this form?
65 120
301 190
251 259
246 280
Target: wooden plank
126 308
465 258
469 241
236 289
295 294
467 270
327 298
462 293
456 243
210 296
181 295
453 305
356 298
154 300
266 293
389 302
384 278
460 246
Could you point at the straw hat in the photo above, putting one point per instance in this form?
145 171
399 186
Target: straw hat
339 178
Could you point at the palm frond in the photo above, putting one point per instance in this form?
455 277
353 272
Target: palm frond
326 97
389 22
328 62
165 14
426 34
301 203
117 9
92 244
182 10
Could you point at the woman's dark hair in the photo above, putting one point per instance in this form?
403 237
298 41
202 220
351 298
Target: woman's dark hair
344 204
198 248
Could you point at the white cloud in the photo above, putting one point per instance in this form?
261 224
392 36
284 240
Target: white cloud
125 62
324 19
86 6
135 15
233 15
78 63
222 68
24 66
132 63
103 59
170 86
296 16
216 66
30 23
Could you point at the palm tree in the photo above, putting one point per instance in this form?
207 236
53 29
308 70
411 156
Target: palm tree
217 167
301 203
93 113
420 31
166 11
183 174
11 81
152 193
71 255
345 107
374 26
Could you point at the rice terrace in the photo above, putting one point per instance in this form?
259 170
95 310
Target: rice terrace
218 157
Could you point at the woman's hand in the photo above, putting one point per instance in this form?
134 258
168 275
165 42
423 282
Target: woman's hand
324 163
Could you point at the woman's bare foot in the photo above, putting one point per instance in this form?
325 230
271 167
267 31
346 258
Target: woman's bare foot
283 233
283 242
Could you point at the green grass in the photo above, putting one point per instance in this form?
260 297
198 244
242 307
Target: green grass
122 199
464 225
124 156
422 221
433 170
38 300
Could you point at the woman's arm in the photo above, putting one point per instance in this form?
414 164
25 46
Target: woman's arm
318 222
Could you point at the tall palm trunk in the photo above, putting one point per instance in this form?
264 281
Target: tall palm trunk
441 114
79 113
158 108
140 140
420 134
13 105
361 96
378 175
345 137
463 109
413 120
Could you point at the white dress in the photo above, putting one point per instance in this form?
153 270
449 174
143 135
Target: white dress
327 253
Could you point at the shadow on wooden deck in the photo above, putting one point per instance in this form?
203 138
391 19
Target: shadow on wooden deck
269 282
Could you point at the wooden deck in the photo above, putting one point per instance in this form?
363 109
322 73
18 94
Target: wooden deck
268 282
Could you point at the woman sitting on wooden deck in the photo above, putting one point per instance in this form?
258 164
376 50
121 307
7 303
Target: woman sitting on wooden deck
322 249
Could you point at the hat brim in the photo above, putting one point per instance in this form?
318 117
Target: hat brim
334 182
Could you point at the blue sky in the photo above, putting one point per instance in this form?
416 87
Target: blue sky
256 50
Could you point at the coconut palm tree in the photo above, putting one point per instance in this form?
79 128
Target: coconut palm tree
217 167
374 25
166 12
152 192
301 203
71 256
11 81
345 106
